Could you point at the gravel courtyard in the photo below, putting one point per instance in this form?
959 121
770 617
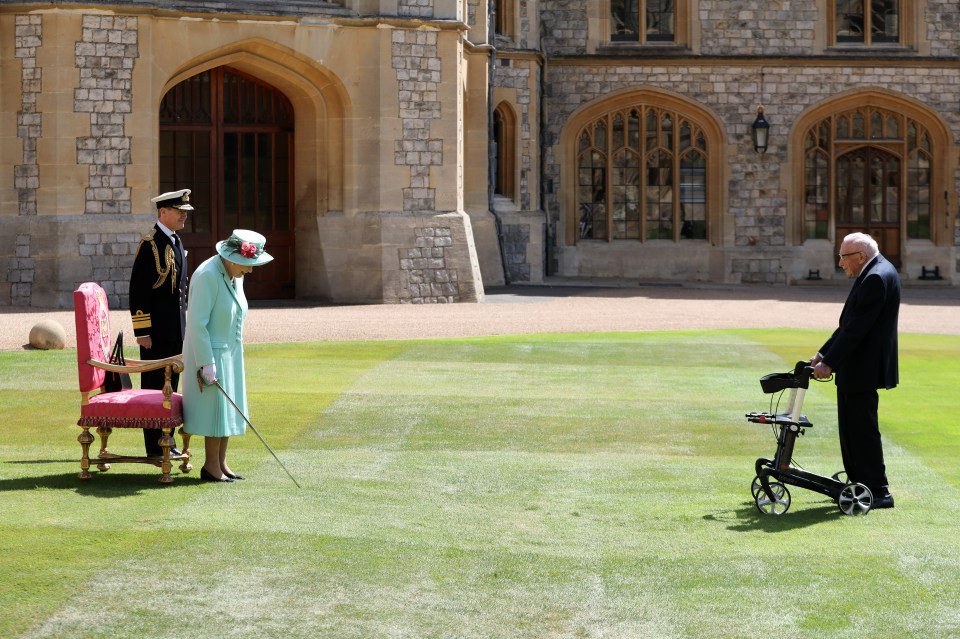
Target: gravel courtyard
557 307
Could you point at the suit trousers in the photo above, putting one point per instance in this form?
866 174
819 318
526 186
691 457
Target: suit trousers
154 380
860 443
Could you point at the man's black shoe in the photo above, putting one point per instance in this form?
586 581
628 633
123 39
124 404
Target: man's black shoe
882 502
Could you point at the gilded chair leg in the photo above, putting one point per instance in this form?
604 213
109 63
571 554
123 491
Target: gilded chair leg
166 443
104 432
185 465
85 440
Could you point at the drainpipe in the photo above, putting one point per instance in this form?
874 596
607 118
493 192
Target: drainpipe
492 142
542 105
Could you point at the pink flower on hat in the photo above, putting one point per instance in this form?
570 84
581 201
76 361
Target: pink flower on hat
248 250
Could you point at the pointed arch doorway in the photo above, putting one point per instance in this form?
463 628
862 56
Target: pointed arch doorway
229 138
868 198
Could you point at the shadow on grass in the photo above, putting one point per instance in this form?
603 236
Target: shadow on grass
749 519
110 484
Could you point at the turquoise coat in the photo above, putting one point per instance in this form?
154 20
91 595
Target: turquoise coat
216 311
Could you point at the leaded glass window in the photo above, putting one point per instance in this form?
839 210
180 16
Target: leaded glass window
867 21
642 175
643 20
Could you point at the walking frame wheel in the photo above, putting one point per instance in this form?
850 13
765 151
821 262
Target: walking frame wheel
778 505
855 499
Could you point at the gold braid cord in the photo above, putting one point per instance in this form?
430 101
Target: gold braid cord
171 265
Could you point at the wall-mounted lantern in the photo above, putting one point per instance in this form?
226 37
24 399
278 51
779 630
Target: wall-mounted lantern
760 127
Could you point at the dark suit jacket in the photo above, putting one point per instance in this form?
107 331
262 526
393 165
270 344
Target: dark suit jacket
863 350
158 282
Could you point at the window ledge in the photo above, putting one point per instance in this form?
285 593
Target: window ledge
636 48
871 50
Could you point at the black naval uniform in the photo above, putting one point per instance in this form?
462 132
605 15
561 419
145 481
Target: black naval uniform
158 308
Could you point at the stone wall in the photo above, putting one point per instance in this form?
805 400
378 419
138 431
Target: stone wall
564 25
943 27
735 27
756 204
105 58
415 8
417 64
515 74
29 37
429 259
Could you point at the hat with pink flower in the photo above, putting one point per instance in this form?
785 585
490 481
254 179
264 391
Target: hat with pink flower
244 248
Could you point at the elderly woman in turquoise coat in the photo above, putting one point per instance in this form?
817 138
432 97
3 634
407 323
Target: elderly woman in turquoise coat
213 349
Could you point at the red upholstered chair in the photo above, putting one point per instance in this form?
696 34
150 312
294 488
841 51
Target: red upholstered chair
127 408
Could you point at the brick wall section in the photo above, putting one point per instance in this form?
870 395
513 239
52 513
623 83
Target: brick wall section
417 65
111 255
26 176
105 58
424 266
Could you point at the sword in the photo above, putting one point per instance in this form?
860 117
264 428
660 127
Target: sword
216 383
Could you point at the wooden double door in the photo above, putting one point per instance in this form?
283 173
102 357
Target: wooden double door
870 199
229 138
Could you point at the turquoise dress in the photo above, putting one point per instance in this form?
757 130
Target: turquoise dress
216 310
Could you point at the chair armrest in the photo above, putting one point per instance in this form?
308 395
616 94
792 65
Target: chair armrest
175 360
141 366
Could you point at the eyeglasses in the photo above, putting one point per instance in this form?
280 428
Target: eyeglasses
846 255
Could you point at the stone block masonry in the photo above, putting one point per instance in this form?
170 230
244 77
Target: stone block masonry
111 256
417 64
26 176
21 272
105 57
415 8
425 270
516 239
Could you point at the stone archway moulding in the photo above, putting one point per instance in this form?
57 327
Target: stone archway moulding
944 152
707 120
321 104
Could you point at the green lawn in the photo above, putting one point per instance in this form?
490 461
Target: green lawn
593 485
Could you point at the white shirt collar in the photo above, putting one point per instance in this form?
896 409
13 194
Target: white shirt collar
165 230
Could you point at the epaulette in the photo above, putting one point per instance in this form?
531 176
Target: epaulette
148 237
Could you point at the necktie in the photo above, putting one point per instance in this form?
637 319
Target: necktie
178 248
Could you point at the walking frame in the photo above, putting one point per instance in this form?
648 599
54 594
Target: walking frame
769 488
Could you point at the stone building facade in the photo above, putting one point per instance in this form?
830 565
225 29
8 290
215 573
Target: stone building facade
415 151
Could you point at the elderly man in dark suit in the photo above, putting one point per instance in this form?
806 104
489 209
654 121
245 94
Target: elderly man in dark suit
862 352
158 300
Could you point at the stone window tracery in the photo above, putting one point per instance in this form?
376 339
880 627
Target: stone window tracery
642 175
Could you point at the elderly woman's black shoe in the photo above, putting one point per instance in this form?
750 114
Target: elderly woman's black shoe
233 476
205 476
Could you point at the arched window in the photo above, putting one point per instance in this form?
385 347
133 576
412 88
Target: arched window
505 135
505 18
642 175
868 169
